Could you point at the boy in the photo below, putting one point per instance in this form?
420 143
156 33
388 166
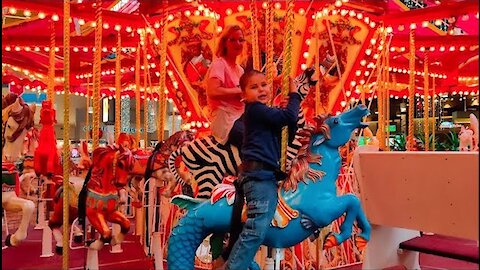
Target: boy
260 162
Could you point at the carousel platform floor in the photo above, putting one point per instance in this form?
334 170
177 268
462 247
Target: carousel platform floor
27 257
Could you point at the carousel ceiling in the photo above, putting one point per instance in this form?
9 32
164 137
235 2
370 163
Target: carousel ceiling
445 31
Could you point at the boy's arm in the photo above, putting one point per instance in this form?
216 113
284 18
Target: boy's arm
281 117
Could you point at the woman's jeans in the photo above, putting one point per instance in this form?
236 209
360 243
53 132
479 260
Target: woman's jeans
260 188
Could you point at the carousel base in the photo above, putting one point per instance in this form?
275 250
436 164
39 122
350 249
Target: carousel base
27 257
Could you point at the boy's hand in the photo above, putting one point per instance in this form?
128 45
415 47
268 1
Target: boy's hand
293 89
283 101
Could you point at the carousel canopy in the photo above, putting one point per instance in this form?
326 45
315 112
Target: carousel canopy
445 35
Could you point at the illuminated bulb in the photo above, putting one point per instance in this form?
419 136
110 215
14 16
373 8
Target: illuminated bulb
278 5
303 66
228 11
85 49
358 72
188 13
7 48
424 24
81 21
442 48
438 22
27 13
363 62
462 48
338 3
106 26
188 113
41 15
372 24
389 29
301 11
128 29
170 17
343 103
219 29
452 48
12 10
305 55
413 26
432 49
55 17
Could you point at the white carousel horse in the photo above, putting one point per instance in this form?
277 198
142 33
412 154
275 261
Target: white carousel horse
17 119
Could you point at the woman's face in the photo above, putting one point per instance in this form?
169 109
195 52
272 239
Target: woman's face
234 43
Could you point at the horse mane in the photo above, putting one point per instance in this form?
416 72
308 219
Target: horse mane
299 169
23 117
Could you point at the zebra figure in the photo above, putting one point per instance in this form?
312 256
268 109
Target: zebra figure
209 161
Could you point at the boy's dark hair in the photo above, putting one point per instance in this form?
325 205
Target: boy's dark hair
244 78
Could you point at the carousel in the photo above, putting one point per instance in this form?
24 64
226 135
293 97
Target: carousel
109 161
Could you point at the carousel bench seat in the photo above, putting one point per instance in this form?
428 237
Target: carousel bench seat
445 246
405 193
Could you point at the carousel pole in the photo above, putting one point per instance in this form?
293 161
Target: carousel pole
255 47
317 67
92 255
162 100
66 128
146 98
118 85
87 121
157 236
137 96
411 92
434 107
97 61
41 209
270 13
426 100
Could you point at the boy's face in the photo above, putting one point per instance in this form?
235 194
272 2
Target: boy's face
257 89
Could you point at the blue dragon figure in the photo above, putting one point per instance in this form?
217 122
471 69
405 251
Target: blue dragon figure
307 201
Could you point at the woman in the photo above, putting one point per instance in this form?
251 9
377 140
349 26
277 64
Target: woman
223 91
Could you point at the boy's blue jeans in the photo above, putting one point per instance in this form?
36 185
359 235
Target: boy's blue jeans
260 189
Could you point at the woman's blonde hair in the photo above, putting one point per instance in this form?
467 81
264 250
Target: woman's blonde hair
222 43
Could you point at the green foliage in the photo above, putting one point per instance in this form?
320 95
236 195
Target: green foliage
399 143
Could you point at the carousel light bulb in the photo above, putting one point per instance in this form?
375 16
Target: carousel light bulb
17 48
12 10
240 8
106 26
303 66
55 17
219 29
188 113
170 17
306 54
372 24
462 48
264 5
424 23
442 48
41 15
338 3
27 13
81 21
301 11
128 29
228 11
197 13
413 26
358 72
8 48
187 13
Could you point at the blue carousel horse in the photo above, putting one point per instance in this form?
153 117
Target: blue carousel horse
307 202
